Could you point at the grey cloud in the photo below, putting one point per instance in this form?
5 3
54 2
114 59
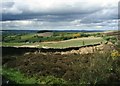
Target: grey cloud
7 4
78 15
102 15
17 10
35 24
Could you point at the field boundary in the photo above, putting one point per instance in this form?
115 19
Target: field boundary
22 50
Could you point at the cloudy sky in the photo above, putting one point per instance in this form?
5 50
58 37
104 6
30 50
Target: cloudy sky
59 14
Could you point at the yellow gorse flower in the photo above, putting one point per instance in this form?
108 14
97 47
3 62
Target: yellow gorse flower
115 54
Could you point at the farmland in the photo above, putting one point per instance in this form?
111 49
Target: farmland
62 44
52 39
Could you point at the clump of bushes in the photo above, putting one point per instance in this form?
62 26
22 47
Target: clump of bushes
112 39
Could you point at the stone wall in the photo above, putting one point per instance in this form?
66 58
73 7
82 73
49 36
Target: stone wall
22 50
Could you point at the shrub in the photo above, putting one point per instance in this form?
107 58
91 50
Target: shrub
84 35
76 35
115 54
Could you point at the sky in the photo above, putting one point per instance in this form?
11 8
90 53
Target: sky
59 14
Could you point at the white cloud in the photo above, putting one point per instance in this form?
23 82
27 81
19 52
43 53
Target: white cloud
57 6
42 25
59 14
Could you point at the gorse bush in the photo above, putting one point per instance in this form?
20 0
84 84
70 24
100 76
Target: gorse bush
115 54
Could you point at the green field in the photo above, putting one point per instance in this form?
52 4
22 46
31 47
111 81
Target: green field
62 44
12 44
74 42
55 39
42 37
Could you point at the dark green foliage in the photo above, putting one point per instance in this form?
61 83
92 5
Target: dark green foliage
42 31
112 39
83 43
107 38
84 35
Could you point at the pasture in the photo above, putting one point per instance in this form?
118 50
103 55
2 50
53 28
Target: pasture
73 42
77 42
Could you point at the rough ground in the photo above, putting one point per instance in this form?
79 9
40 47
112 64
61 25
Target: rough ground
73 67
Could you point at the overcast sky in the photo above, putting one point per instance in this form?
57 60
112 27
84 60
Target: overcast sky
59 14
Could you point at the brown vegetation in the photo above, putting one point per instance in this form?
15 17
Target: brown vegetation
97 68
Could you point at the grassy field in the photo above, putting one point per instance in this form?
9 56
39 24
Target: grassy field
61 44
42 37
54 39
73 42
27 36
12 44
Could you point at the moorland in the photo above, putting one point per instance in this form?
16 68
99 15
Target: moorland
96 60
